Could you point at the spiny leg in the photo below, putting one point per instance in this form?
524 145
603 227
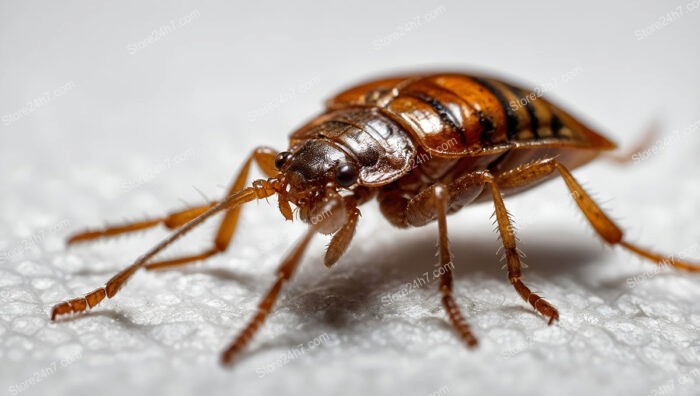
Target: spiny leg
465 189
284 273
601 223
265 158
441 200
261 189
506 230
607 229
431 204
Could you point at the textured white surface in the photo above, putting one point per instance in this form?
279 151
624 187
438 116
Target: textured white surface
191 92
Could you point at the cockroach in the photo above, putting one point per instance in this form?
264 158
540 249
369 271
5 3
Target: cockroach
425 146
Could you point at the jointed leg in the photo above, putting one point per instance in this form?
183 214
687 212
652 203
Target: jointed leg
435 202
441 197
284 273
420 211
505 229
602 224
341 240
260 189
644 143
172 221
263 156
607 229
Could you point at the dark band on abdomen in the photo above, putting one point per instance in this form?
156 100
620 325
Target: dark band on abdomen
529 107
445 114
511 115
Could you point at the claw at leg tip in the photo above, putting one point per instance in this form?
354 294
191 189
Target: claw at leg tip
225 360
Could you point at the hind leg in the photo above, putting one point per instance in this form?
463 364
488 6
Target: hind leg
606 228
629 155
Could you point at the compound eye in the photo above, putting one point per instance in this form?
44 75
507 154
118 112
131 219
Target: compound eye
282 158
346 175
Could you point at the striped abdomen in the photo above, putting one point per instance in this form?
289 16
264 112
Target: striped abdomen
454 115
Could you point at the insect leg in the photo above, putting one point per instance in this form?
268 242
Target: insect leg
284 273
441 199
646 142
468 187
608 230
341 240
508 239
261 189
393 206
265 158
433 203
172 221
421 209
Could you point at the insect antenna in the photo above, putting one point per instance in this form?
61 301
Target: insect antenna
260 189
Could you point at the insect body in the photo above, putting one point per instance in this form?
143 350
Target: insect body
424 146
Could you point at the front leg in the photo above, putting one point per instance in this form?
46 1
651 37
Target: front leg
342 238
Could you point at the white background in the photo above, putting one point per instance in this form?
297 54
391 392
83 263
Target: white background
137 133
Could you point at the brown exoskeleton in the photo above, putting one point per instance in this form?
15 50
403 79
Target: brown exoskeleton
425 146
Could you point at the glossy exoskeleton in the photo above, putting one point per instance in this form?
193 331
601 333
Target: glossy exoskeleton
424 146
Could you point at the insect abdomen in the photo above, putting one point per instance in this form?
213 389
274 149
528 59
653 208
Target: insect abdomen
454 115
